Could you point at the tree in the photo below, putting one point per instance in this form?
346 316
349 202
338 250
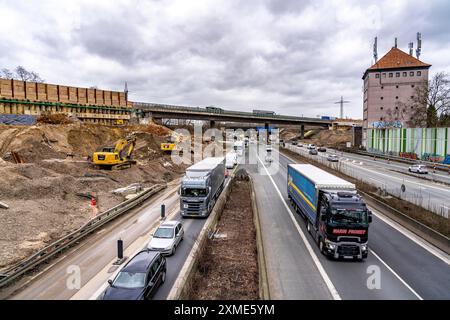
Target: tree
429 101
20 73
432 117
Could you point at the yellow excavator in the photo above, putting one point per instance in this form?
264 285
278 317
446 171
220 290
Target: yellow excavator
117 157
171 143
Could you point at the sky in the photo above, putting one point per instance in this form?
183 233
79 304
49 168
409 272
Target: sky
289 56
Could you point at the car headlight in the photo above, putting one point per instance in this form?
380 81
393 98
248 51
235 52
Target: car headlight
364 247
185 206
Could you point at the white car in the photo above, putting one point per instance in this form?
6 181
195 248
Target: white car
418 168
311 146
231 160
167 237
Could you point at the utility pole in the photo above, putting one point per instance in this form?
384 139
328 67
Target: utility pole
341 102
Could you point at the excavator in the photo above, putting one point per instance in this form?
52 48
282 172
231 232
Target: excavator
171 143
117 157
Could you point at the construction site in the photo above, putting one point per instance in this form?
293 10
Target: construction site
49 178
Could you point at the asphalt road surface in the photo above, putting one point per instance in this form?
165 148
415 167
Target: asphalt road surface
407 270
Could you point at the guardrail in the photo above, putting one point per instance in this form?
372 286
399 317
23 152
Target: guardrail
68 240
432 236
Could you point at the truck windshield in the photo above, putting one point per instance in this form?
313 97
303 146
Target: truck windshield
193 192
348 216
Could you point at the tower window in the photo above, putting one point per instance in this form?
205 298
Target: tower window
412 86
381 108
384 74
377 75
396 97
382 87
419 73
411 74
381 98
391 74
405 74
396 87
397 74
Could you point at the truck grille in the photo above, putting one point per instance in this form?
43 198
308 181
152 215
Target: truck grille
348 250
193 207
348 239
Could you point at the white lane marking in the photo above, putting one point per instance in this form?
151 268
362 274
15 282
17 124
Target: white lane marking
319 266
395 274
413 237
421 242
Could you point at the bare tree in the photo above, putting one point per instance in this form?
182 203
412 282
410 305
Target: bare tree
20 73
6 74
429 101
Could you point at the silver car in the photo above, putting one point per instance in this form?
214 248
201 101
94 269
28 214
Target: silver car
333 158
167 237
418 168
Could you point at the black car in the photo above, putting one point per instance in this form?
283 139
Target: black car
139 279
322 149
294 143
313 152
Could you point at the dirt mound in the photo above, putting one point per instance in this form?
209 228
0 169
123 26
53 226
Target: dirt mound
58 118
43 193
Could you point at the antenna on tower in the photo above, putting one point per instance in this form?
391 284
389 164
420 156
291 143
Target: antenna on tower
419 45
411 47
375 50
341 102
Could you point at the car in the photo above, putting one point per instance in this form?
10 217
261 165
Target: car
333 158
418 168
322 149
294 143
313 152
268 148
167 237
311 146
139 279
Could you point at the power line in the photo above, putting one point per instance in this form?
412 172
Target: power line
341 102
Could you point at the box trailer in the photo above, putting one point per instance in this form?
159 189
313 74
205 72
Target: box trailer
335 214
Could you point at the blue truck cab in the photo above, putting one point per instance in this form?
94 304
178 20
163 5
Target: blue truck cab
335 214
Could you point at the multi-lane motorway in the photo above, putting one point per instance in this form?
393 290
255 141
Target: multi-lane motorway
404 266
408 267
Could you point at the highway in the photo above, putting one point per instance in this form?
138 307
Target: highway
436 176
409 269
428 194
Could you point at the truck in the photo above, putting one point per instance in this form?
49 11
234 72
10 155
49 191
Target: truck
239 147
201 186
335 214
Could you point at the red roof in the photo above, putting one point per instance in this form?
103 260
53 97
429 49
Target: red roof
395 59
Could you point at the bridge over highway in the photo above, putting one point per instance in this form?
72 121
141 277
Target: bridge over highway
162 111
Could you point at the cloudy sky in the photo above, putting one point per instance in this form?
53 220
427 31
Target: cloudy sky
290 56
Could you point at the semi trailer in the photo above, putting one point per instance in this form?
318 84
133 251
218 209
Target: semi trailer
335 214
201 186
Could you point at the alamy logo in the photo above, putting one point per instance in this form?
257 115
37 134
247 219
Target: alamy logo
374 280
73 281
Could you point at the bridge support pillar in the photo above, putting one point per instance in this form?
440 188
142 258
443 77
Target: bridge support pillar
302 131
266 127
212 124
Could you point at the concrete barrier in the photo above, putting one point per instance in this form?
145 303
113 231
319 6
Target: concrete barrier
264 292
